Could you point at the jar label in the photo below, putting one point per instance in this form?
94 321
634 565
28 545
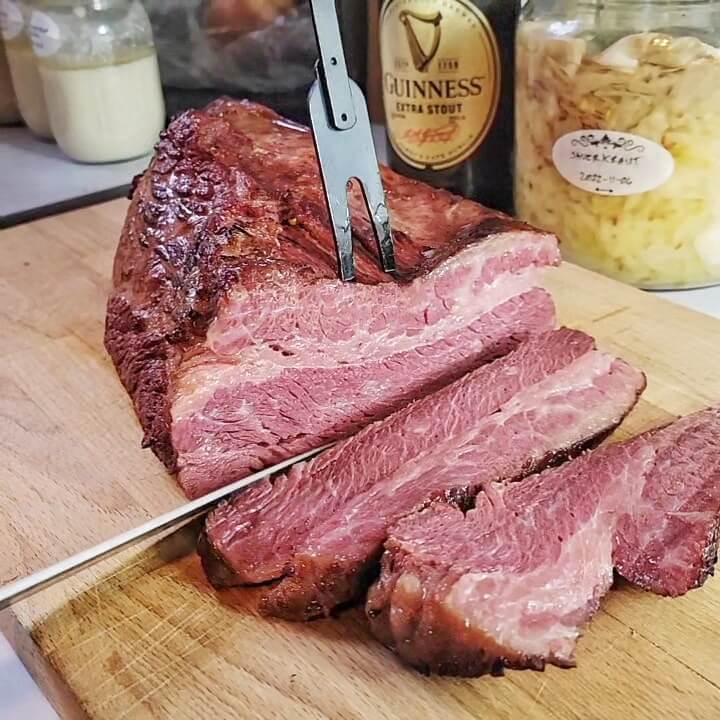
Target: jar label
11 19
607 162
440 79
44 34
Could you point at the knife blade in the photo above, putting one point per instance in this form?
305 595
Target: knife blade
25 587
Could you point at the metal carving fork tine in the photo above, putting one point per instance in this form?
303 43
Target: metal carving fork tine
374 194
344 144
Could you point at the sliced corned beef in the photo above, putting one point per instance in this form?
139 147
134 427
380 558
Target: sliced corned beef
324 523
229 328
290 367
666 539
512 581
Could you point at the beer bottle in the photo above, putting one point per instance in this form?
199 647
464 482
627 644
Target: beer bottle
447 83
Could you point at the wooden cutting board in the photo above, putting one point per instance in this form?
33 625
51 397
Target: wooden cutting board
144 636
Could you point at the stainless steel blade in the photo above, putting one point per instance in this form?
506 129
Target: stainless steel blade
332 61
23 588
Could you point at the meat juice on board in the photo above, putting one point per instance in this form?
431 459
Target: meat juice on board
447 83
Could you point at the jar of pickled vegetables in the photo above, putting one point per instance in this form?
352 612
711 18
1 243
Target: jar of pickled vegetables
618 135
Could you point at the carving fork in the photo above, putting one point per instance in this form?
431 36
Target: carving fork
344 144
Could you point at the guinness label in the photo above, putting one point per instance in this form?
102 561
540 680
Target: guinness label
440 77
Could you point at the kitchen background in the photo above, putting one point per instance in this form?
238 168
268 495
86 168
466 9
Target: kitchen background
597 120
86 86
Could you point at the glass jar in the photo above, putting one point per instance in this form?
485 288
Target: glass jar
618 135
100 76
9 113
14 18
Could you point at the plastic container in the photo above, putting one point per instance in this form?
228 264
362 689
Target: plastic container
100 77
14 17
618 138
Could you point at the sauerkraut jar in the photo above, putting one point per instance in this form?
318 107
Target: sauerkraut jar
618 135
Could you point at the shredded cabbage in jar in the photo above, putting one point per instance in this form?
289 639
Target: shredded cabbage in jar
663 88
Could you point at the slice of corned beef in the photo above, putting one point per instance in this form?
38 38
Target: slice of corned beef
288 366
513 581
227 323
666 539
324 523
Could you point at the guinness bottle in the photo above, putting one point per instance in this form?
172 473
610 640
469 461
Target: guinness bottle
447 84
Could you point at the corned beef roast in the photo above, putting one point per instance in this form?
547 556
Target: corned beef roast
229 328
239 348
512 581
324 523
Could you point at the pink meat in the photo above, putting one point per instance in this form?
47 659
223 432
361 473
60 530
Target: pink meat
513 581
229 328
666 540
325 522
275 381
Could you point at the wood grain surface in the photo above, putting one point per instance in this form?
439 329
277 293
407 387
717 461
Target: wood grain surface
144 636
72 470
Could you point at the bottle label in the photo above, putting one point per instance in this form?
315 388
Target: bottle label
440 78
44 34
607 162
11 19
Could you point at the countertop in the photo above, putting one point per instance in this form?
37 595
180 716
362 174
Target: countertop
37 179
705 300
19 695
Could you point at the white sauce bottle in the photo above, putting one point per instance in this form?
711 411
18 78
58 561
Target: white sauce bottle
100 77
14 17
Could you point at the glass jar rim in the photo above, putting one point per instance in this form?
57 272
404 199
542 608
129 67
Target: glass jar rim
70 4
650 4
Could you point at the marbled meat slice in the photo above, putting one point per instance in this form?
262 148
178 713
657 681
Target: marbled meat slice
324 523
230 330
512 581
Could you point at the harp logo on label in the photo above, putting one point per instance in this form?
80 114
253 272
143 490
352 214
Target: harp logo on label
441 79
421 59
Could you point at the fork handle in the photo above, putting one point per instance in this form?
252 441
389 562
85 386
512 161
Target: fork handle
333 73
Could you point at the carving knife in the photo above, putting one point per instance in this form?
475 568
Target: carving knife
174 519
